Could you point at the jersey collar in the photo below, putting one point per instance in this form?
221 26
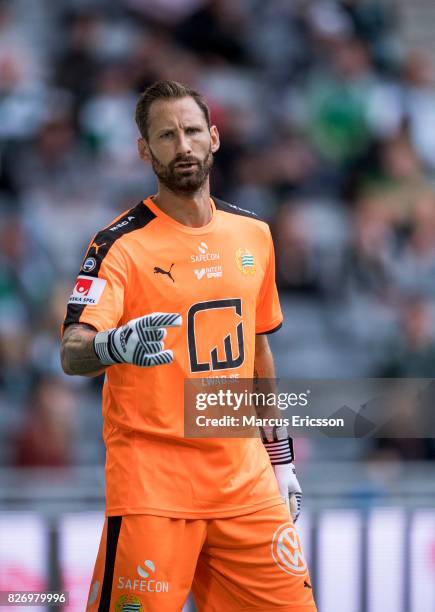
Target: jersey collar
204 229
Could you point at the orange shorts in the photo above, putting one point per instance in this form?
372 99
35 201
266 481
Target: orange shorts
150 563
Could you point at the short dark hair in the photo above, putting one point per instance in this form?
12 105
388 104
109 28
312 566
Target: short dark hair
165 90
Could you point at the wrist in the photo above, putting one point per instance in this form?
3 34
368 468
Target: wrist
103 347
280 452
278 444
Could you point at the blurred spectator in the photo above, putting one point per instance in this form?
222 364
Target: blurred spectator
44 346
61 197
414 267
14 358
399 182
338 100
296 268
367 257
20 64
214 31
47 435
24 274
410 355
166 11
77 63
56 162
412 352
418 103
106 118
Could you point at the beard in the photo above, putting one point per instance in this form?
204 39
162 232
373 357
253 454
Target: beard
180 181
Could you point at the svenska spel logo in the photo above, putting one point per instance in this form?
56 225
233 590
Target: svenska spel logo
287 550
87 290
83 286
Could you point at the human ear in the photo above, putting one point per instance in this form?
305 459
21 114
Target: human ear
143 150
215 141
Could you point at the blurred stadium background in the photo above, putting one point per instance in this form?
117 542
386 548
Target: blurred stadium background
326 110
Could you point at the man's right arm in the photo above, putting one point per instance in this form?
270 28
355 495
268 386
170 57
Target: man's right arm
138 342
77 351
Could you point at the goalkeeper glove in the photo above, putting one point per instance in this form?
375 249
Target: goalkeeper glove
139 342
280 450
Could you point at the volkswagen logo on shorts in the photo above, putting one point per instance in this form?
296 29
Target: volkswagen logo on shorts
287 551
89 264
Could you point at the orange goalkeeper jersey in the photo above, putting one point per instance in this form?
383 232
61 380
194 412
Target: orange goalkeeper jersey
221 279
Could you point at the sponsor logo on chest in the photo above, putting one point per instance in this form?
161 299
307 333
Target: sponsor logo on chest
210 272
205 256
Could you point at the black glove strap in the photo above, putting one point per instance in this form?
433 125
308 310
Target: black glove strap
280 452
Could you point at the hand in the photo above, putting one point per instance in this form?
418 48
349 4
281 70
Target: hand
279 447
289 488
139 342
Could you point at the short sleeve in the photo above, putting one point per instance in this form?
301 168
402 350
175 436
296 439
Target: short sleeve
97 298
268 314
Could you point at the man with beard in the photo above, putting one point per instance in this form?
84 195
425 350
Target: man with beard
182 286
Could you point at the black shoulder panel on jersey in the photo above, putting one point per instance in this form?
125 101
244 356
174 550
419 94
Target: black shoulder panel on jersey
235 210
134 219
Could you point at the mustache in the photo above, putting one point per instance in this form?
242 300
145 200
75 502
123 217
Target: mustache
186 159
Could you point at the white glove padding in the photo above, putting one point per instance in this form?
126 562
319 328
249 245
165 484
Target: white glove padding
289 488
279 447
139 342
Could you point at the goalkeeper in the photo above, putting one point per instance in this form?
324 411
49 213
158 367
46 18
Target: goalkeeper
183 286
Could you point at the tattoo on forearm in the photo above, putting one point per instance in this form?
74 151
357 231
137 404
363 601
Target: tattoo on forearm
78 354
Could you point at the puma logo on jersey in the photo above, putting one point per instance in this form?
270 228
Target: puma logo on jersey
158 270
97 247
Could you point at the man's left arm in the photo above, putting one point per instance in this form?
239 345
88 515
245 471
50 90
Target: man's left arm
276 439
